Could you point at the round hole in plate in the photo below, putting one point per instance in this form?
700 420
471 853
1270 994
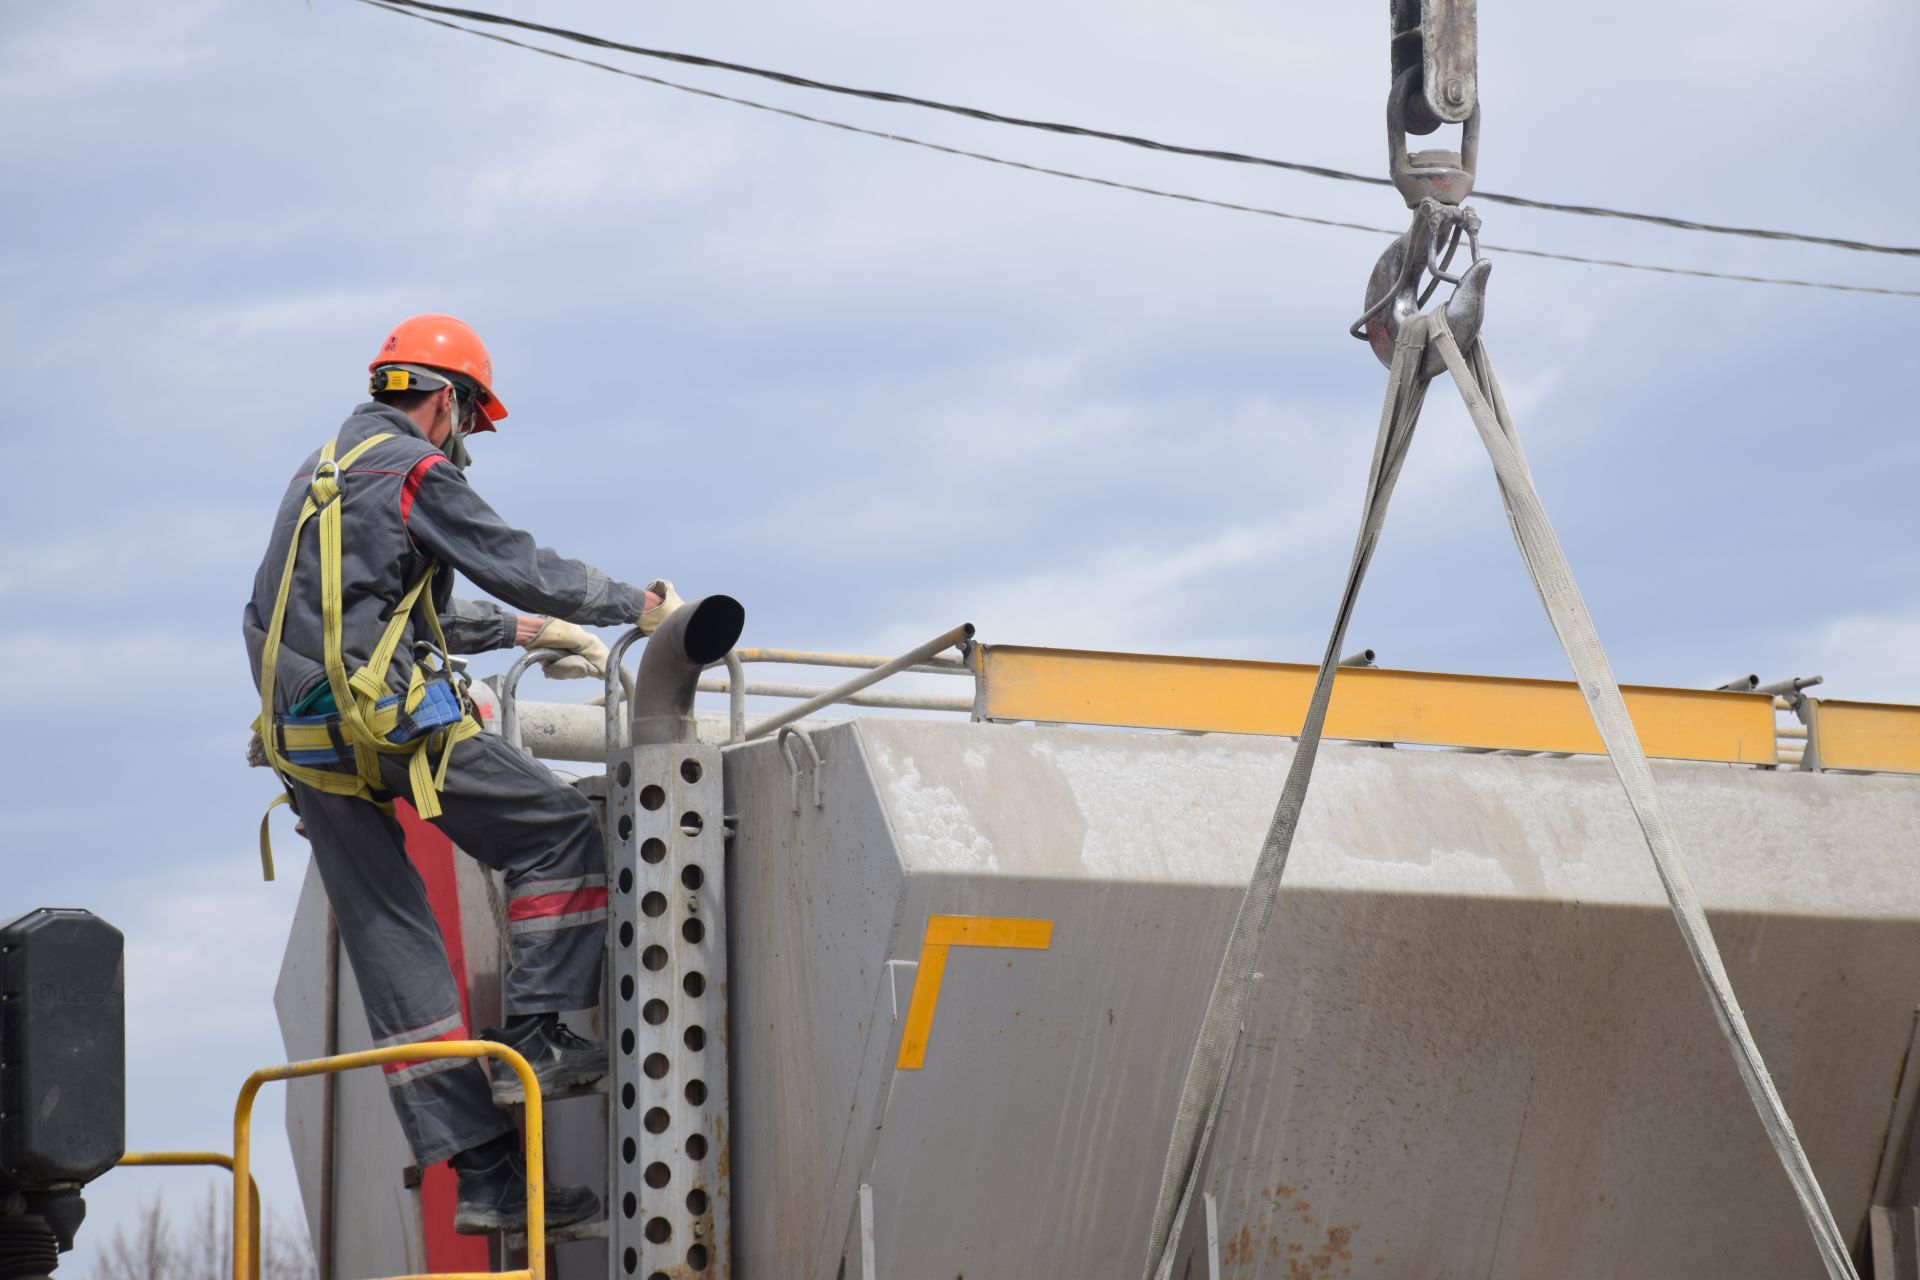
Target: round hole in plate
631 1261
628 1150
690 770
659 1230
696 1146
652 797
626 826
692 876
696 1091
696 1202
656 1121
626 1040
652 850
693 931
626 986
697 1257
695 983
691 823
630 1205
625 775
626 933
654 957
658 1175
626 1096
696 1038
626 879
655 1012
654 904
655 1066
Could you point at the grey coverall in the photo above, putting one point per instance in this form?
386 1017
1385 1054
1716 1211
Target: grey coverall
404 505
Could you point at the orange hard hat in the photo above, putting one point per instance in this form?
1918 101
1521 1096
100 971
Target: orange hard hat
442 342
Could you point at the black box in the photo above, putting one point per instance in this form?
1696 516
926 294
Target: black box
63 1049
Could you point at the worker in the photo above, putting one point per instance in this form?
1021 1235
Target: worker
349 630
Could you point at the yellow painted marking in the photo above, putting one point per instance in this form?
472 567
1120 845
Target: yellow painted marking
1867 735
1370 704
957 931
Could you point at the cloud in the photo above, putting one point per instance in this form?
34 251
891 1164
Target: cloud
1873 657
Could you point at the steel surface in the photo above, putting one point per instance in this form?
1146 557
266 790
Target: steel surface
1370 704
1867 736
1478 1047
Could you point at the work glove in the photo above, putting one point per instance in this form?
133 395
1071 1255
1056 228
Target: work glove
669 601
586 655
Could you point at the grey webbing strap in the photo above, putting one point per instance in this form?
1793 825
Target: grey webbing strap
1213 1052
1547 565
1207 1070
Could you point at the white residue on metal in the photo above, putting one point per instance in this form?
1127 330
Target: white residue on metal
930 817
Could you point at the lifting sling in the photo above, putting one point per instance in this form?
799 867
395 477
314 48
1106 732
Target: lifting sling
368 720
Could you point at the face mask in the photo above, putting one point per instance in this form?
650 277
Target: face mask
456 446
456 449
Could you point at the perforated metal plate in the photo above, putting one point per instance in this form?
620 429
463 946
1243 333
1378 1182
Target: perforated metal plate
668 986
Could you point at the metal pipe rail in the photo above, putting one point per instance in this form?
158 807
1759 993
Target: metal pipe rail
509 691
212 1159
960 635
245 1215
906 701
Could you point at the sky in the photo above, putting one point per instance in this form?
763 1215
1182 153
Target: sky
874 391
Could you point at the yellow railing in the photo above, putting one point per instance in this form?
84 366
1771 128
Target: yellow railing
214 1159
245 1212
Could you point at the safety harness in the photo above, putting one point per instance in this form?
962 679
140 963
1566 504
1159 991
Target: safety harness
369 720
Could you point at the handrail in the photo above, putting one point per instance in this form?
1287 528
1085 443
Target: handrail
903 701
914 657
244 1230
214 1159
617 681
809 658
510 689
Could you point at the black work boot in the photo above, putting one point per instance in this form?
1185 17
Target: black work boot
493 1193
559 1058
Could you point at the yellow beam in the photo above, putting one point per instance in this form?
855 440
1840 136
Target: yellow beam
1072 686
1867 735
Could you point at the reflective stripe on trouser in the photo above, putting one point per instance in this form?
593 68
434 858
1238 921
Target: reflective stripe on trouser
512 814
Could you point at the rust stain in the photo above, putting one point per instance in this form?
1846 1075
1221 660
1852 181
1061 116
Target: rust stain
1320 1262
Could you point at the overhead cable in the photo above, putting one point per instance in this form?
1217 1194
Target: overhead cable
1127 139
394 6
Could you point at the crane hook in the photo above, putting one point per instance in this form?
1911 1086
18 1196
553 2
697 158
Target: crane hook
1394 293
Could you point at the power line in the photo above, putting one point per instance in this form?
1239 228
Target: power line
394 6
1127 139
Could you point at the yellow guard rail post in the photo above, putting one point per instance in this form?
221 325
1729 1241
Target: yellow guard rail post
243 1217
215 1159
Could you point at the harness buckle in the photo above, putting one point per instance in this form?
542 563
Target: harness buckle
328 470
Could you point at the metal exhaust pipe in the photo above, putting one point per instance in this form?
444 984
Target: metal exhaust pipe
694 636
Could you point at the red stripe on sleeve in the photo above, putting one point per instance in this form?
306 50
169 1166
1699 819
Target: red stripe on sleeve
538 905
412 485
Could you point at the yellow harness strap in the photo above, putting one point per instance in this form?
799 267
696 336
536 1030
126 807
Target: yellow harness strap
363 723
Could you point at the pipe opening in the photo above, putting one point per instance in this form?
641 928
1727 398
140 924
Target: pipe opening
709 635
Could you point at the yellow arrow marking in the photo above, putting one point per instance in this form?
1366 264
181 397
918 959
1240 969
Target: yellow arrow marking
957 931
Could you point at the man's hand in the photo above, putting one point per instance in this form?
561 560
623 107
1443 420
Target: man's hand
587 655
662 600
